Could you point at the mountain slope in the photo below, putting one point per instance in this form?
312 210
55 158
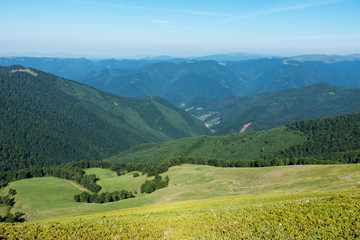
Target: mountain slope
310 138
68 121
275 108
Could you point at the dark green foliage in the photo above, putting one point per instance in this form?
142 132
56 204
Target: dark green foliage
15 158
7 200
136 174
12 192
326 136
232 147
158 182
104 197
11 218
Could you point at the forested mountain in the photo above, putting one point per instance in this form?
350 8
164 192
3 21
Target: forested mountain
62 121
330 140
179 82
272 109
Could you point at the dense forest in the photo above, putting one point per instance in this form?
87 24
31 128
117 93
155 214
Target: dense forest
324 137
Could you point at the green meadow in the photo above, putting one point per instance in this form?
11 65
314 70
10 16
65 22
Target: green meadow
311 215
110 181
51 198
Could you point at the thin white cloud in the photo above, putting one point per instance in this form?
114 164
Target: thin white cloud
312 37
279 10
159 21
228 17
185 11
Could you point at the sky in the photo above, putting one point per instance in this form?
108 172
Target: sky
138 28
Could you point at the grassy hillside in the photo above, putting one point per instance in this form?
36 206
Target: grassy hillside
315 138
110 181
329 215
272 109
62 121
313 202
187 182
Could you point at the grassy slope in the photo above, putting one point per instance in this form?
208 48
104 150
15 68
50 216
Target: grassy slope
242 146
187 182
322 215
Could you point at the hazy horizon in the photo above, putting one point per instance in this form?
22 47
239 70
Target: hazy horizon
135 29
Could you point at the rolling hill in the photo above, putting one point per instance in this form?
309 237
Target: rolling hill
187 182
272 109
63 121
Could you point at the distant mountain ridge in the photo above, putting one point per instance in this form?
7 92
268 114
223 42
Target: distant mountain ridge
67 121
77 68
179 82
272 109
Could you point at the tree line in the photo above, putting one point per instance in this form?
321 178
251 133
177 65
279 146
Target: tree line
104 197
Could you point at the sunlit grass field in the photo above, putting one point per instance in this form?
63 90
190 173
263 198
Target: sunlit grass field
110 181
315 215
51 198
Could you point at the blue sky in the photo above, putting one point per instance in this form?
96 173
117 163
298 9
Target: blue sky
116 28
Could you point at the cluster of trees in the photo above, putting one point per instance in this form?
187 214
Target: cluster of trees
9 201
103 197
11 218
158 182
